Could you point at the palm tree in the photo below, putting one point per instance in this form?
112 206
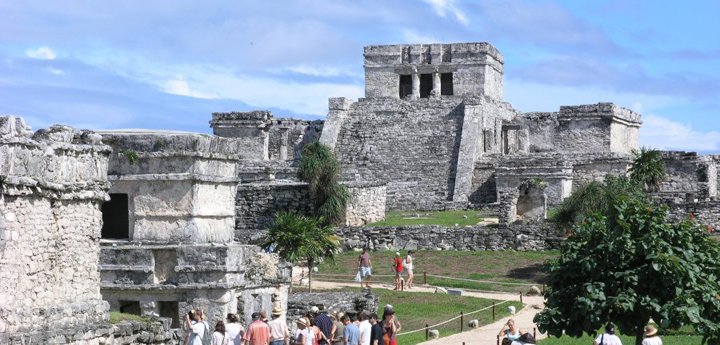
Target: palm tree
321 170
296 237
647 168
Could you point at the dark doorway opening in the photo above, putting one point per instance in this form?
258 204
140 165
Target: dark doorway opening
405 86
170 309
115 217
446 84
130 307
426 85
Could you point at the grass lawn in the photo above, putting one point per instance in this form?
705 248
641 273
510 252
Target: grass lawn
500 266
446 218
417 309
667 340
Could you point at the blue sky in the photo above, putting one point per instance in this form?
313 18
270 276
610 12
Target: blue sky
169 64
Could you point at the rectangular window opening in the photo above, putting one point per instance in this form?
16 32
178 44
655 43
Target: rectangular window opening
446 84
426 85
170 310
405 86
130 307
115 217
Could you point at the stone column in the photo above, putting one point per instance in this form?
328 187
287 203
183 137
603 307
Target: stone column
415 84
283 144
436 82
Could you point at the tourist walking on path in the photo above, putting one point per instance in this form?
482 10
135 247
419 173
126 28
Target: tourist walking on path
609 337
220 336
365 268
409 260
398 268
365 328
279 334
258 332
651 337
509 332
324 323
234 329
303 334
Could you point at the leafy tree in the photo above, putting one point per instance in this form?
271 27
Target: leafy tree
296 237
596 197
633 268
321 170
647 168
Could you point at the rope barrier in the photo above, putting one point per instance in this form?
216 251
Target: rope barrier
429 275
453 319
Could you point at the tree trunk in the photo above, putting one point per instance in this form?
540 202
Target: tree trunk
639 334
310 269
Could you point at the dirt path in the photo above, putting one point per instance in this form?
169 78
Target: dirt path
485 335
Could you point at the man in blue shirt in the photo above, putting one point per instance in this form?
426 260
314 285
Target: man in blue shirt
352 332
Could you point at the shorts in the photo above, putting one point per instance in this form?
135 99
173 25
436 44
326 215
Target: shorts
409 270
365 271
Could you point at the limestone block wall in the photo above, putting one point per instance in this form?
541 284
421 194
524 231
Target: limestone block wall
411 146
557 175
518 236
689 176
175 194
51 188
484 187
542 129
367 203
287 137
601 127
257 204
477 67
250 129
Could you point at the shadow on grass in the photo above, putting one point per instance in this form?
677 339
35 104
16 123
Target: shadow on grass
531 272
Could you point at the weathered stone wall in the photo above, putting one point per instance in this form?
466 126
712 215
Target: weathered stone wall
689 174
517 236
483 184
411 146
287 137
250 129
258 203
601 127
477 67
300 303
51 187
175 194
127 332
367 203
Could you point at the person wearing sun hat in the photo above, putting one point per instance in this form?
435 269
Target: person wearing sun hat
651 337
303 335
279 334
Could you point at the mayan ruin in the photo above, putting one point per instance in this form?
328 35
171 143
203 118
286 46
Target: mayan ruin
159 223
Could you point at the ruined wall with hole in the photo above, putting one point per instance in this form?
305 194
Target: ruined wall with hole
51 186
287 137
689 177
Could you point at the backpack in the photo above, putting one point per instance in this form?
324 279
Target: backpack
207 337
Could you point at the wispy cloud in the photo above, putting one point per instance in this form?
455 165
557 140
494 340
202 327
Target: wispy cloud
661 133
443 7
41 53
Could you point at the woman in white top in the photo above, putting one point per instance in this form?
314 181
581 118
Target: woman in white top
409 268
220 337
651 337
234 329
609 337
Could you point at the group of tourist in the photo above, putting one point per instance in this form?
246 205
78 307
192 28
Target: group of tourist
363 328
399 265
314 328
609 338
261 331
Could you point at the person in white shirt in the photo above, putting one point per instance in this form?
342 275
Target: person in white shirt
409 268
651 337
220 337
609 337
234 329
365 328
198 327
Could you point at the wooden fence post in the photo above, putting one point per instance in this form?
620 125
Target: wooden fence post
493 311
425 277
427 331
462 321
521 298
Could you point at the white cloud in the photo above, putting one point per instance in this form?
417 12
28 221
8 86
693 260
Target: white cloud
443 7
661 133
41 53
55 71
179 86
322 71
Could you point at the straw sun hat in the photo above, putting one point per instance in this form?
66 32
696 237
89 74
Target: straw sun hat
650 330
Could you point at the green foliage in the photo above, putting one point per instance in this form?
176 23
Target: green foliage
647 168
446 218
131 156
117 317
631 268
296 237
596 197
159 145
321 170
